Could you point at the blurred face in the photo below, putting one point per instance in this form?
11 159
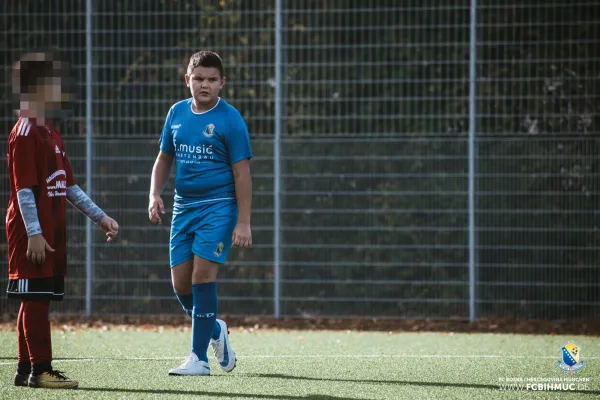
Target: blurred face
51 92
46 95
41 84
205 84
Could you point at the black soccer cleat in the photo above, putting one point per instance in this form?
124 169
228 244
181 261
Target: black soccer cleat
21 380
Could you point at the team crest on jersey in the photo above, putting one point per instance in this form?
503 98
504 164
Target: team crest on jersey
209 131
219 249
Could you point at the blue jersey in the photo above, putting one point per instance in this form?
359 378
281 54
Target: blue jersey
205 146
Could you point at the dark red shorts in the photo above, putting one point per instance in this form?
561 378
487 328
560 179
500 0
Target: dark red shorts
48 289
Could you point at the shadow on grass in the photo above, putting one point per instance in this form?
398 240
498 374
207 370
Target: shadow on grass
395 382
217 394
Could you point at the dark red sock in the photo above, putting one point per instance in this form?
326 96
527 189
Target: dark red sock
23 350
36 324
24 363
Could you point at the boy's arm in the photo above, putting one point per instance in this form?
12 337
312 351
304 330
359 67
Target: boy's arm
23 149
77 197
161 170
242 234
158 180
83 203
243 190
162 166
29 213
36 244
240 153
160 173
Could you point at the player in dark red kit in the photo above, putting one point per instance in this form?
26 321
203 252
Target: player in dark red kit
41 182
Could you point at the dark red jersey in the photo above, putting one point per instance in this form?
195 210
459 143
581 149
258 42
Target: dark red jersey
37 160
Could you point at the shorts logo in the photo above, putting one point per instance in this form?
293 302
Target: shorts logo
219 250
209 131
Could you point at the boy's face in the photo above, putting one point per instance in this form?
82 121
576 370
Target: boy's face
48 91
51 92
204 84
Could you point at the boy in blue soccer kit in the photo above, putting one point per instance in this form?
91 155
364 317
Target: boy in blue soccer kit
208 140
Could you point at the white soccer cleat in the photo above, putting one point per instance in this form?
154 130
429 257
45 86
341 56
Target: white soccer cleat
192 366
222 349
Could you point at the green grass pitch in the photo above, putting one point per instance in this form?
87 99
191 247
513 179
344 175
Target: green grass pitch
133 364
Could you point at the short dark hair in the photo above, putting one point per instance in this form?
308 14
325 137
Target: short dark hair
34 69
206 59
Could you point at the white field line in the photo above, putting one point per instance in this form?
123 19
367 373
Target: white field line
313 356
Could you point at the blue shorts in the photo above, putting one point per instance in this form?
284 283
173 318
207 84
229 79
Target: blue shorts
202 229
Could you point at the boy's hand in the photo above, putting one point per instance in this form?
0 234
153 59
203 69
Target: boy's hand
242 236
155 208
36 249
110 227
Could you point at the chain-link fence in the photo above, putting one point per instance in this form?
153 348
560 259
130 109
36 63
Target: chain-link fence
374 169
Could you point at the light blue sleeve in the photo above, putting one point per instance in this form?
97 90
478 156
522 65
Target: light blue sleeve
166 137
80 200
237 139
26 200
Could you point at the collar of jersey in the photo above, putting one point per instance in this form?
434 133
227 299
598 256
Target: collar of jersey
203 112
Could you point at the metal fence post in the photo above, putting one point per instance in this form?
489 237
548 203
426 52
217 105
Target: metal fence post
472 165
277 160
89 152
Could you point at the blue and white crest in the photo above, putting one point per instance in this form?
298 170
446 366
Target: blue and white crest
219 250
209 131
571 361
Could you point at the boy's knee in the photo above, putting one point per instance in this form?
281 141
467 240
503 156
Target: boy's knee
181 278
204 271
182 288
203 277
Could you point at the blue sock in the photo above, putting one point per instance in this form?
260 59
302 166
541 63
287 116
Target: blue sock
186 301
204 316
216 331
